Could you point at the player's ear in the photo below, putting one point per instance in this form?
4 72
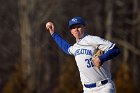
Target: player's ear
84 27
70 31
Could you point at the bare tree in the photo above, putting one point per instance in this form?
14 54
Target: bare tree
26 50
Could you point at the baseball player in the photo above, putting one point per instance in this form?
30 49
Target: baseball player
95 74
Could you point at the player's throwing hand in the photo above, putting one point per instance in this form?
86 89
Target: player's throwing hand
50 27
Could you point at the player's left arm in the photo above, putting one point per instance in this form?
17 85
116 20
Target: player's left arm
110 50
110 53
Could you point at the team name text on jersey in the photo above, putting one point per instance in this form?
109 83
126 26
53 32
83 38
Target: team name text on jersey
83 51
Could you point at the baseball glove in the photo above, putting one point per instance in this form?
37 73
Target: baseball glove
97 53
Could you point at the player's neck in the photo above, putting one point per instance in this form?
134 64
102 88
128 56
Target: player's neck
78 39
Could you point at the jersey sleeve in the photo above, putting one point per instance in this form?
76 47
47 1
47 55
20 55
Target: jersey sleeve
100 43
71 50
62 43
111 50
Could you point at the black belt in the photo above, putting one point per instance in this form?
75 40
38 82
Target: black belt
95 85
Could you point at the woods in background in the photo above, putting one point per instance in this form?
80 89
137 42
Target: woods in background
31 62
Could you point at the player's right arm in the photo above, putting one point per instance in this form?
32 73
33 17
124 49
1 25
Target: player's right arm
63 44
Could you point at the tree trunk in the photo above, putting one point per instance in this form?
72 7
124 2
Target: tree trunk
109 19
26 57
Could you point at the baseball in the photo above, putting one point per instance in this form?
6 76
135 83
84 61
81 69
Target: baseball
48 25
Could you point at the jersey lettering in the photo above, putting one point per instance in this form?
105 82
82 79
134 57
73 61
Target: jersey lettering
89 63
83 51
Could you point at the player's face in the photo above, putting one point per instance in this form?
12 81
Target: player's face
77 31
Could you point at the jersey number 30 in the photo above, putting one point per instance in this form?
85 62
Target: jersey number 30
89 63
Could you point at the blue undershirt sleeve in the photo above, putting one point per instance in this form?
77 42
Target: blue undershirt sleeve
110 54
63 44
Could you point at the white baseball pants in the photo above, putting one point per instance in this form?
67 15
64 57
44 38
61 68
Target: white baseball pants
107 88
